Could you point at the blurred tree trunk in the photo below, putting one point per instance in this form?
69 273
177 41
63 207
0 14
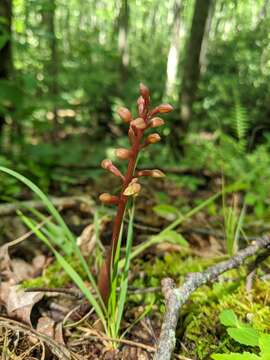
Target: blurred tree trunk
54 57
123 25
208 35
263 12
67 31
217 27
191 71
173 55
5 48
49 20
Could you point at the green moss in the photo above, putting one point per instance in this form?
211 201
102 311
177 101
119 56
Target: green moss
54 276
199 332
203 333
177 265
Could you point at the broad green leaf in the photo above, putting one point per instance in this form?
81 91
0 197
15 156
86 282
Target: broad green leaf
173 237
228 318
264 344
244 335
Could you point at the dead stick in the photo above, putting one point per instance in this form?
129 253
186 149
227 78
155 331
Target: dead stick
176 298
58 349
64 202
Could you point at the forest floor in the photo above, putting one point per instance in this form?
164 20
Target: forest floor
45 323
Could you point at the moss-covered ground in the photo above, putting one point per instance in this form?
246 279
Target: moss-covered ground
199 332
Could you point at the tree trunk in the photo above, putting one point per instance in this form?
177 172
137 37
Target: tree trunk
173 55
49 22
263 12
5 50
123 38
54 58
191 71
207 36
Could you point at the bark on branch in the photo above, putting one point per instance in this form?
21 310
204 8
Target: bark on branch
176 298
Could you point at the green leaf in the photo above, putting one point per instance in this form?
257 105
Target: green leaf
173 237
3 40
244 335
235 356
264 344
68 269
228 318
58 218
124 277
167 212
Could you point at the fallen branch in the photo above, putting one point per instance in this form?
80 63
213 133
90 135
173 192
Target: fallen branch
63 203
57 349
176 298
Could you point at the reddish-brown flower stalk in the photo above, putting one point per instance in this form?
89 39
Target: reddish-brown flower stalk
130 187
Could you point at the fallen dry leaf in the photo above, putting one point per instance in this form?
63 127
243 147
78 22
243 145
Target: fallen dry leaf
21 270
87 240
46 326
19 304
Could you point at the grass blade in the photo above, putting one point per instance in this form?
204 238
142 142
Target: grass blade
124 277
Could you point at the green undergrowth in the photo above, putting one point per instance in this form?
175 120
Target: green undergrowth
54 276
199 333
202 333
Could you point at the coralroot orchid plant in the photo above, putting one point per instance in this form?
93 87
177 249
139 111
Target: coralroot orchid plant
104 296
147 119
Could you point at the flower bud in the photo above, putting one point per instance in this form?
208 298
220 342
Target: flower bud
131 135
163 108
157 173
108 165
153 138
138 123
122 153
141 105
124 114
132 189
107 198
156 122
144 92
154 173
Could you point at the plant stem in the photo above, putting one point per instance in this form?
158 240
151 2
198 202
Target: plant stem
105 273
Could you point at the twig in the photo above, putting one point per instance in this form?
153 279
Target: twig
134 291
249 283
59 350
4 249
93 334
24 236
74 292
96 335
216 233
66 291
252 270
63 202
176 298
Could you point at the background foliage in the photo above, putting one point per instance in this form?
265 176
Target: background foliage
73 62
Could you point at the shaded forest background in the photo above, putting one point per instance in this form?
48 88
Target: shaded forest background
65 66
